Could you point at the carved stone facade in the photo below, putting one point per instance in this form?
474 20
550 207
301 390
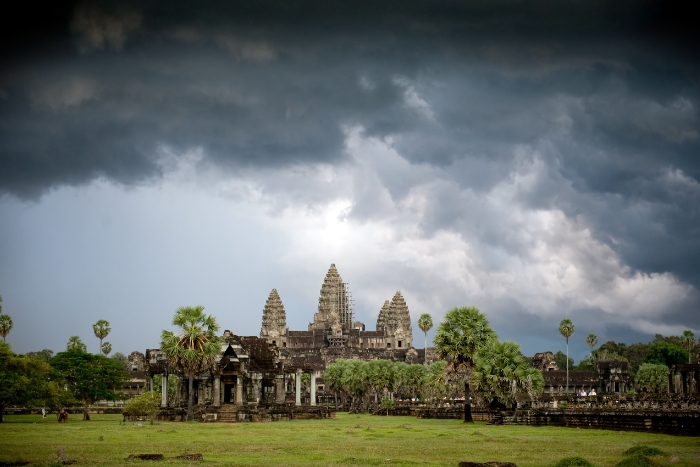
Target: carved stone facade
334 325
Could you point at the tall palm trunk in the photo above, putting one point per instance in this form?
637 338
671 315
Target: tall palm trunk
190 399
567 366
467 404
425 347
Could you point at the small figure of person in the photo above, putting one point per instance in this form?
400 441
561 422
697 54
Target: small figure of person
43 412
63 415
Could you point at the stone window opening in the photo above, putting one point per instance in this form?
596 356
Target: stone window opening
388 345
399 344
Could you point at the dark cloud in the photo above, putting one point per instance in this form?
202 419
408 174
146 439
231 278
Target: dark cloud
591 107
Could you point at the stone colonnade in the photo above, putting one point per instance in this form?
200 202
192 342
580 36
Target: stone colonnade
684 379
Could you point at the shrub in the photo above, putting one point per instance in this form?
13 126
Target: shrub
573 462
147 403
644 451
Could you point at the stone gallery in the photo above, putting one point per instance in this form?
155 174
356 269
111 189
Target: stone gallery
258 372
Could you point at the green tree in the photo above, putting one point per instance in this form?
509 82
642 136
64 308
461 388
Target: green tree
106 348
425 323
23 381
75 343
566 329
652 377
45 355
434 385
5 326
90 377
122 359
663 353
459 337
101 329
501 373
146 404
560 359
387 404
194 347
333 377
688 342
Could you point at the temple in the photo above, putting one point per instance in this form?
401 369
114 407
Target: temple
263 377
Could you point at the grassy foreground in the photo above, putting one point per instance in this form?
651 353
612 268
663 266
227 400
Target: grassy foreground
347 440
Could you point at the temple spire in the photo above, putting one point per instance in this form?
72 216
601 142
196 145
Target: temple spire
274 319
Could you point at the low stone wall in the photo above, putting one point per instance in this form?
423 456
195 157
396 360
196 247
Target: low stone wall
70 410
674 422
272 413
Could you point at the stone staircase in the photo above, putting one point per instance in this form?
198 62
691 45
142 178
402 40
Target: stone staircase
228 413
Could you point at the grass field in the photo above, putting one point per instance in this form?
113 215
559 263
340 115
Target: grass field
347 440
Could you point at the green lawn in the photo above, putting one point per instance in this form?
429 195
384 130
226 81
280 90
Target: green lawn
347 440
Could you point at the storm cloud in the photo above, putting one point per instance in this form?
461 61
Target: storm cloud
539 160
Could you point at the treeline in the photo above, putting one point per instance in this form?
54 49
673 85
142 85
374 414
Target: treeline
73 377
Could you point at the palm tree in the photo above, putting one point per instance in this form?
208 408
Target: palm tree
74 343
592 341
425 323
688 341
5 326
101 329
459 337
566 328
501 373
106 348
194 348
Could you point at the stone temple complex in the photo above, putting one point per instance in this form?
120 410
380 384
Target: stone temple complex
253 372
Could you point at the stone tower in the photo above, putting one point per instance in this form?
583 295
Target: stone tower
384 320
334 304
274 320
401 321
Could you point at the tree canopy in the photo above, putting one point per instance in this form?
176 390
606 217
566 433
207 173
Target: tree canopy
6 325
75 343
652 378
101 329
664 353
90 377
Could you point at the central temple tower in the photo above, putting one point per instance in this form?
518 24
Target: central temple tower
335 311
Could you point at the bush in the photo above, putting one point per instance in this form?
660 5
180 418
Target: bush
573 462
644 451
637 461
147 403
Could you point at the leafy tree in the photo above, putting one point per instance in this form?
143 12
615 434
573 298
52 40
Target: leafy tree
333 377
652 377
45 355
74 343
106 348
566 329
122 359
101 329
387 404
380 376
459 337
5 326
664 353
23 381
425 323
90 377
434 384
194 347
688 342
146 404
501 373
409 379
560 359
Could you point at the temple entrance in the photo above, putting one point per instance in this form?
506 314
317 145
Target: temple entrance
229 393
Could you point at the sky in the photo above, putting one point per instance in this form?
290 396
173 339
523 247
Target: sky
538 160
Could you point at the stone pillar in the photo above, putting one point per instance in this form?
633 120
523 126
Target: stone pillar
297 387
217 390
239 390
164 391
149 382
677 385
313 388
670 382
279 389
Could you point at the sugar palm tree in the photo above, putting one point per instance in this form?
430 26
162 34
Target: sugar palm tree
459 337
106 348
591 340
688 341
566 328
5 326
194 347
101 329
75 343
425 323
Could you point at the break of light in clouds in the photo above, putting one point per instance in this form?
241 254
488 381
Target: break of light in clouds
527 163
